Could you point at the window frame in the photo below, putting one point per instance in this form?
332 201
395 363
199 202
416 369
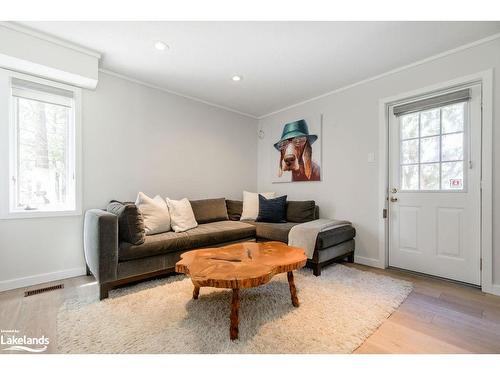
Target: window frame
466 153
8 189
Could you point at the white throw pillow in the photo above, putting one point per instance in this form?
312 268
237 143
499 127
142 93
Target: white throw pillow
251 204
181 215
155 213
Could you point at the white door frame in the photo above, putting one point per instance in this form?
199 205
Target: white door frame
486 79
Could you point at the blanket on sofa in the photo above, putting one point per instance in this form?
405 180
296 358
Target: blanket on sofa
304 235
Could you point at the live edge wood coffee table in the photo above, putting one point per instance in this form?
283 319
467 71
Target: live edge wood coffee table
238 266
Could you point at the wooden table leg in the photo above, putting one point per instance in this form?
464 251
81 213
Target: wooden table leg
196 292
293 290
235 306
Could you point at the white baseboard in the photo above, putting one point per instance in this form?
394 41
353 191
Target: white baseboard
368 261
492 289
41 278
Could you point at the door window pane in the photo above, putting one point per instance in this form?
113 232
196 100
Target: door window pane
432 149
452 176
429 176
429 149
453 118
409 177
453 147
409 126
429 123
409 152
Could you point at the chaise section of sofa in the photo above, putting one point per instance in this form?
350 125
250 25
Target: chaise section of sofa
331 245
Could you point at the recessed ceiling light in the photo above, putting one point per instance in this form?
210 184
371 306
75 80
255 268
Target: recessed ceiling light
237 78
160 46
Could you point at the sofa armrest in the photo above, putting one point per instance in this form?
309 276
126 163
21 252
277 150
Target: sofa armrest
100 242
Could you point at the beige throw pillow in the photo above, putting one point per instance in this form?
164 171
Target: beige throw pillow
155 213
251 204
181 215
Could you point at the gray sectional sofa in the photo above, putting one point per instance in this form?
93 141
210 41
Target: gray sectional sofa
115 262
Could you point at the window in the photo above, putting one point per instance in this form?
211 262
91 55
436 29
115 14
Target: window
432 148
42 148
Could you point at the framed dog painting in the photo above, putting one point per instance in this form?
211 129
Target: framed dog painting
297 151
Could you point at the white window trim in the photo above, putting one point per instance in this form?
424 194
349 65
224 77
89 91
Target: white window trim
7 135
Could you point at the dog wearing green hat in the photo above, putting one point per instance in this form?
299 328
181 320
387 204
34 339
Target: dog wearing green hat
295 147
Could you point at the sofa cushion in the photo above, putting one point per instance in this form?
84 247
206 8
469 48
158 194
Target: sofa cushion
218 232
272 231
279 232
155 244
234 209
209 210
300 211
209 234
272 210
335 236
130 221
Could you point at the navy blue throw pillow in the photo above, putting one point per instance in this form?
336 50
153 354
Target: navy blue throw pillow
272 210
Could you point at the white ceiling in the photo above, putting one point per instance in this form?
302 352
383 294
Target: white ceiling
282 63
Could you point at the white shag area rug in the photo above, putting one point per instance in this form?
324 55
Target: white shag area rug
337 312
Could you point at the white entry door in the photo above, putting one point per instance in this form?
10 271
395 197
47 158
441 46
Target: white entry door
434 185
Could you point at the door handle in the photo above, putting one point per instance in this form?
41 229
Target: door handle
394 199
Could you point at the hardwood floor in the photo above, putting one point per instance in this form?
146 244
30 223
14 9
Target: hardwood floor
437 317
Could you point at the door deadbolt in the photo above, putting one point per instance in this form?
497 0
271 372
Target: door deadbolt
394 190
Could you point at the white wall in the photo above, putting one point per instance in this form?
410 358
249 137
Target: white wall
137 138
349 189
134 138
